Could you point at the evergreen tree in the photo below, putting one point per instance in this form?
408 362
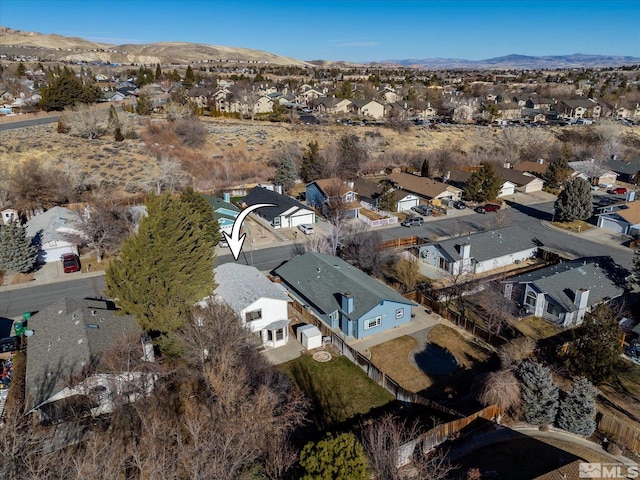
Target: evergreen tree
311 169
425 171
386 200
334 458
144 106
574 202
345 90
164 268
557 173
17 253
21 70
208 220
189 78
286 174
158 72
484 184
351 156
577 408
596 347
113 122
65 89
117 134
539 394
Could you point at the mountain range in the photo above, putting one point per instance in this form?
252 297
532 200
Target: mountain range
74 49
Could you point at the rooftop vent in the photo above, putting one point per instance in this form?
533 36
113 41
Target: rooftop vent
93 325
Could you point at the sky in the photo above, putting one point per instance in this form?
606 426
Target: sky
350 30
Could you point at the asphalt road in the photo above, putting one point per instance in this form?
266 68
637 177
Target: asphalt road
27 123
14 303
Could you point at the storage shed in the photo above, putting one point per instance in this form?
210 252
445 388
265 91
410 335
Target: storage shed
309 336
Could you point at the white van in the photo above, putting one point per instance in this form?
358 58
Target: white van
306 229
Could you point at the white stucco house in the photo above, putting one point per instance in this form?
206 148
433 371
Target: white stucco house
480 252
260 303
54 231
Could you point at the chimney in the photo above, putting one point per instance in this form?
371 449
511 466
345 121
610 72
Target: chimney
465 250
226 196
350 183
581 298
347 303
631 195
540 161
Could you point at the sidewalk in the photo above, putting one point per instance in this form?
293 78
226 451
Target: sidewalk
51 273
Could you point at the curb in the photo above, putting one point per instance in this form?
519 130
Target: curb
36 283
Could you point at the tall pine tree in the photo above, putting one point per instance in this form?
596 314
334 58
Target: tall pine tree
207 218
286 173
574 202
484 184
539 394
557 173
165 268
425 171
577 409
17 252
311 169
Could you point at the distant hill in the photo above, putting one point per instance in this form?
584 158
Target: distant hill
73 49
577 60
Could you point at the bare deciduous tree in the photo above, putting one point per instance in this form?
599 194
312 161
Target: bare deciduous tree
516 350
85 121
191 132
248 98
170 177
501 388
407 270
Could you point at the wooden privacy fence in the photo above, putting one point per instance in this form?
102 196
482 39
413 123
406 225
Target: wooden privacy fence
619 432
439 434
402 242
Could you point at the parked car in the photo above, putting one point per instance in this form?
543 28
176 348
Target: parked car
618 191
489 207
412 221
9 344
459 205
306 229
70 263
423 210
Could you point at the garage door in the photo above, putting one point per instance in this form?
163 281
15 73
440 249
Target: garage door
302 219
507 190
407 204
612 224
54 254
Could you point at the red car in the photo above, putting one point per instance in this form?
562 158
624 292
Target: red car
489 207
70 263
618 191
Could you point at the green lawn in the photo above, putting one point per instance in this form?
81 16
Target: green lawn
338 389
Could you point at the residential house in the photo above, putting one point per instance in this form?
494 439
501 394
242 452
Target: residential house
319 192
563 293
343 297
524 182
224 211
309 95
331 105
287 211
626 169
389 94
396 111
539 167
426 188
592 172
66 343
509 111
581 108
459 178
9 215
260 303
112 96
623 219
54 232
367 108
480 252
369 193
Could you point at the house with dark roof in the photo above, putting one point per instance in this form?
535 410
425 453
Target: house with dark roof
66 342
459 178
369 193
224 211
343 297
480 252
426 188
592 172
260 303
626 169
319 192
580 108
287 211
563 293
331 105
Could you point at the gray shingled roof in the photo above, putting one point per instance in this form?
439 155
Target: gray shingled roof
321 279
562 280
241 285
282 202
68 336
50 221
489 244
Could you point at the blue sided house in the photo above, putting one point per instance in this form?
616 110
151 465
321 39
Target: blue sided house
342 296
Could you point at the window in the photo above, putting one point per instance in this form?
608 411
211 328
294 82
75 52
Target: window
372 322
531 299
251 316
276 221
279 334
400 313
552 309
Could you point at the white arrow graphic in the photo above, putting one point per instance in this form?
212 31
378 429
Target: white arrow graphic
234 240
